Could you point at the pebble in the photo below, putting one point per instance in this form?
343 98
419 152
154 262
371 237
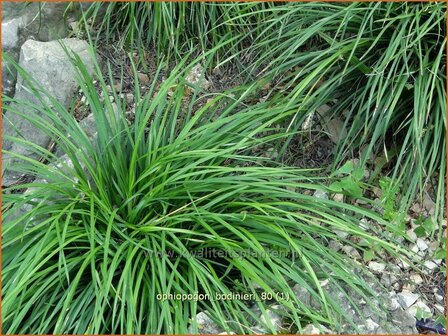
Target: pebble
270 317
411 234
422 245
351 251
430 265
366 174
338 198
414 248
419 306
434 246
129 98
302 294
335 245
439 308
320 194
388 279
377 192
439 298
416 278
376 267
341 234
205 324
404 265
407 299
364 224
311 329
371 325
416 208
393 304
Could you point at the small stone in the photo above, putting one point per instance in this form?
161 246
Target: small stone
416 278
335 245
388 279
366 174
414 248
352 252
335 129
364 224
143 79
341 234
416 208
269 318
422 245
324 283
419 306
302 294
404 265
428 204
377 192
320 194
407 287
129 97
371 325
433 246
393 304
439 308
407 299
310 329
205 324
338 198
196 76
411 234
117 87
403 318
272 153
111 99
439 298
430 265
376 267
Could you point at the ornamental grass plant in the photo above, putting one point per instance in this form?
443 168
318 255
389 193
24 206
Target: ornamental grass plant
124 216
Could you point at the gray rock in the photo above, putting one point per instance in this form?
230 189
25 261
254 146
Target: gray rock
196 76
422 245
311 329
411 234
416 278
302 294
403 319
407 299
393 304
419 306
377 267
341 234
38 21
430 265
11 46
352 252
204 325
335 245
388 279
320 194
48 64
270 318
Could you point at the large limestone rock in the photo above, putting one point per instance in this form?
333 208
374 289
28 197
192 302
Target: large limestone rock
49 65
44 21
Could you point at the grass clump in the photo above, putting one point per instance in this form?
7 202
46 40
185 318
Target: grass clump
379 69
123 217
